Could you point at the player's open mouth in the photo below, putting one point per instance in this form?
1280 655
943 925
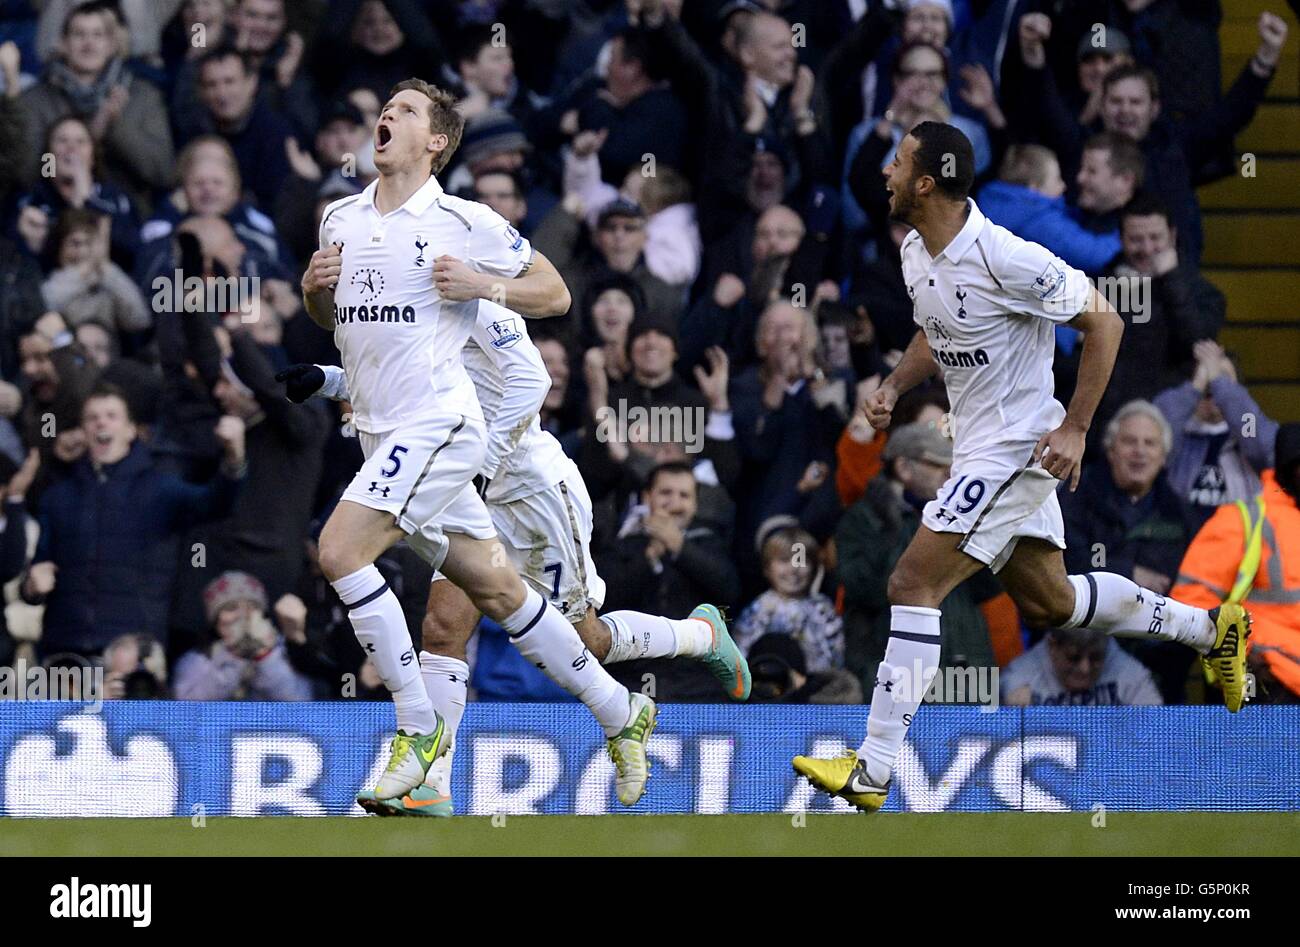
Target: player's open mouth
383 135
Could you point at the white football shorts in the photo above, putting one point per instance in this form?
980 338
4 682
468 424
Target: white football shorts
423 475
547 537
995 499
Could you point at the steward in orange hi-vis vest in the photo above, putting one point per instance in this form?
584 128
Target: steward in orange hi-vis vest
1250 552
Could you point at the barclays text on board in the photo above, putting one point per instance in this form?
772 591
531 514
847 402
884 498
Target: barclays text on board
175 759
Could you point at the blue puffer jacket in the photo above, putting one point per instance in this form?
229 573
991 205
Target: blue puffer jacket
1047 220
113 535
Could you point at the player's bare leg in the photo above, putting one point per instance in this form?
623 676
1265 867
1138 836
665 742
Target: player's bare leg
352 539
1047 597
547 639
930 568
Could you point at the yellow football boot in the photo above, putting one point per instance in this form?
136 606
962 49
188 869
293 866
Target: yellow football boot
1225 663
844 776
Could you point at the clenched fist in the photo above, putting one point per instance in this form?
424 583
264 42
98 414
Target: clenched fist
291 615
879 406
455 281
323 270
1272 37
40 579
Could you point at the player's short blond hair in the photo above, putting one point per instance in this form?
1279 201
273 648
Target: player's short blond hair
443 117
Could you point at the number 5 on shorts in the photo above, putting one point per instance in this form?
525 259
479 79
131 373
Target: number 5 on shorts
394 456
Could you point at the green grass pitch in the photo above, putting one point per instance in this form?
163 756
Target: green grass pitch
1012 833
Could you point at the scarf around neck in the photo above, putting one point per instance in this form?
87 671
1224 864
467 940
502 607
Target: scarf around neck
86 99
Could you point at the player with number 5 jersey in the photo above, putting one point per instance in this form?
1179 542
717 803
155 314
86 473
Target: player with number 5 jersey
398 279
542 512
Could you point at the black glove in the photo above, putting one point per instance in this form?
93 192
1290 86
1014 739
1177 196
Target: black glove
301 381
481 484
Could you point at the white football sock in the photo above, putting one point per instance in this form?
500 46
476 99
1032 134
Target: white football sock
446 680
906 673
380 625
546 638
636 635
1118 606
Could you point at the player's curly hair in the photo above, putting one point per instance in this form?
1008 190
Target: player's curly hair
443 117
945 154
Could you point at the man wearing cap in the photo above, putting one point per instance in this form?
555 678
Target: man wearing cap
619 247
675 412
1096 53
871 538
1252 550
247 659
495 141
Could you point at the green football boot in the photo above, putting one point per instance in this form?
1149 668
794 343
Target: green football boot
724 658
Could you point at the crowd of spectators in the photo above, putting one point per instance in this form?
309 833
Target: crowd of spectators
706 177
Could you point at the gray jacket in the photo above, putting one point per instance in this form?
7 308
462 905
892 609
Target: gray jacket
138 153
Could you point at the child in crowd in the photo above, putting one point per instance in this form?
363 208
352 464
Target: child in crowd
790 606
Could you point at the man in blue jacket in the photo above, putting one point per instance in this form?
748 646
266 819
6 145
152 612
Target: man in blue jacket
1028 198
107 553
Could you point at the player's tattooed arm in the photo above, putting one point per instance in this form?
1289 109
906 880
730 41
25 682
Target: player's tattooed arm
1061 451
318 284
538 292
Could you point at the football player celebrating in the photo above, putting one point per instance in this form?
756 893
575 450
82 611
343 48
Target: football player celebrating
987 303
420 425
542 511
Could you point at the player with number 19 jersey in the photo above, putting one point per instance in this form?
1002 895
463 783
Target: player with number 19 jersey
989 305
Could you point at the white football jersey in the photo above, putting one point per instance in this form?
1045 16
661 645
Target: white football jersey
989 305
400 341
511 381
